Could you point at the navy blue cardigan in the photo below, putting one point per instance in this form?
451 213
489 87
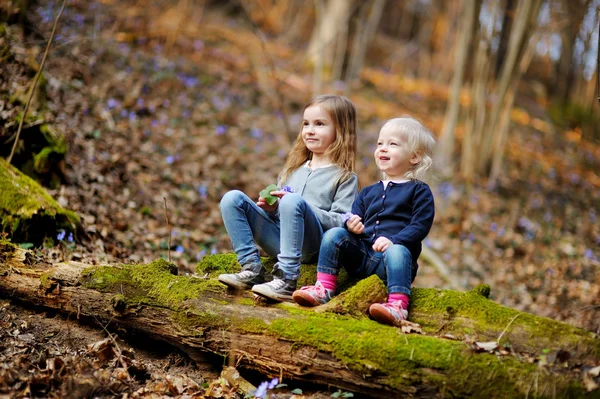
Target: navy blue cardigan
403 213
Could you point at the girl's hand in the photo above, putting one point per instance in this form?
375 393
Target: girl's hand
279 193
355 225
271 208
264 205
381 244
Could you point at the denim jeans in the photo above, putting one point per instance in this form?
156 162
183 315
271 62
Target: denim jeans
293 234
394 266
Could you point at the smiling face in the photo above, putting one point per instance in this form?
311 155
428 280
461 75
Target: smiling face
318 130
393 155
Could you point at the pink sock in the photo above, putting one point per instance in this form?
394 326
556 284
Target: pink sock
393 297
328 280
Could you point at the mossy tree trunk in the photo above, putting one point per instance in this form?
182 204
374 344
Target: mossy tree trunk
326 347
27 212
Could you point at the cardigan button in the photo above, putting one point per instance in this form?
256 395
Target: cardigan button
377 222
383 196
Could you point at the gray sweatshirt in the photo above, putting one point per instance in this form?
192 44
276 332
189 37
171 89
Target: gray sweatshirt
327 199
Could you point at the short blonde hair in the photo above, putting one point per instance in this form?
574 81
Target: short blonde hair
420 141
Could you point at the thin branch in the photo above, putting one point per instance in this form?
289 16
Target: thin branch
117 351
513 319
168 227
35 82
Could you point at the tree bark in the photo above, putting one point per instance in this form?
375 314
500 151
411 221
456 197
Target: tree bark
331 348
361 41
447 138
526 13
332 18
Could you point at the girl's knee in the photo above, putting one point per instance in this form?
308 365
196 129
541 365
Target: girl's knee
334 235
399 254
290 201
397 250
232 198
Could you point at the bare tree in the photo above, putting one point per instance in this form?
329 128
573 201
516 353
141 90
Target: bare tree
369 25
332 18
502 134
575 11
526 13
446 146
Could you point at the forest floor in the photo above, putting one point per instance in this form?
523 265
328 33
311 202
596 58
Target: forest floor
153 113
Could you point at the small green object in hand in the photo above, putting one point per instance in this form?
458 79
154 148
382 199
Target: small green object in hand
271 199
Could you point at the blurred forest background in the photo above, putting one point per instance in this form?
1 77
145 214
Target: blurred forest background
184 100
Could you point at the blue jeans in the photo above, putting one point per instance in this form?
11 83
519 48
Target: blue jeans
292 234
394 266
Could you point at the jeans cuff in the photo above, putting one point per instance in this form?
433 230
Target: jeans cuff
328 270
399 290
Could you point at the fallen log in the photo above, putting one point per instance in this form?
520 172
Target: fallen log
479 349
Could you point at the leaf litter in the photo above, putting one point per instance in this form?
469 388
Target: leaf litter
149 118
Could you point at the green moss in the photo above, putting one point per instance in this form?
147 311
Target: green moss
484 290
27 212
457 312
7 249
153 283
410 360
216 264
372 349
195 320
355 301
54 152
252 325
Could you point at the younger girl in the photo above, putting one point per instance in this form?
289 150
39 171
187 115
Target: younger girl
320 185
388 222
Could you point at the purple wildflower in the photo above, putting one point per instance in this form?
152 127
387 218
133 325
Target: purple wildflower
288 189
346 216
220 130
261 391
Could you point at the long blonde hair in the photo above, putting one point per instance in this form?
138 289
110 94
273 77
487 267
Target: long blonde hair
342 151
420 141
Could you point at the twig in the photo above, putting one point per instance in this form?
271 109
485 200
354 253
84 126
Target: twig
35 82
168 227
513 319
117 352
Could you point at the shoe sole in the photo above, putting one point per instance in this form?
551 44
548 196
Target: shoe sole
383 317
267 293
233 283
305 300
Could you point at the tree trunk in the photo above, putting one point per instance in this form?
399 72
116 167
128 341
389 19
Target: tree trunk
505 119
362 39
507 21
447 138
477 108
327 347
567 68
526 13
332 18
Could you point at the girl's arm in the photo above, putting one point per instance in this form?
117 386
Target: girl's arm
422 218
342 203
